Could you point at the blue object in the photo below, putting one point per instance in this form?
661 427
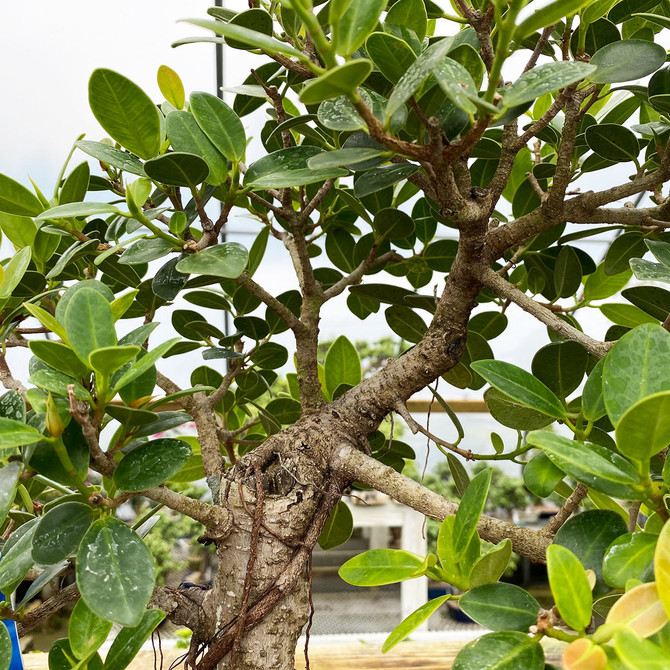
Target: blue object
16 662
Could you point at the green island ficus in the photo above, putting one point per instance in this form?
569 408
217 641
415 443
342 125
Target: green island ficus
439 161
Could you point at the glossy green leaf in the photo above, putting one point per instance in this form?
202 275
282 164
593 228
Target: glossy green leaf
344 157
469 511
391 55
626 60
151 464
638 653
223 260
544 79
622 249
9 481
457 84
342 364
60 531
631 371
509 650
512 413
178 169
599 284
381 566
372 181
521 386
143 364
75 187
589 535
500 606
89 323
171 86
648 271
540 475
6 648
86 630
76 209
662 566
569 586
413 621
613 142
115 572
112 156
288 167
567 273
560 366
406 323
644 429
129 641
17 199
409 14
356 24
59 356
341 80
630 556
61 657
19 230
491 565
111 359
593 465
125 111
416 74
654 300
186 136
14 272
339 114
338 527
16 433
220 123
16 558
547 15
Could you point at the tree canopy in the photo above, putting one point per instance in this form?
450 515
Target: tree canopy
437 163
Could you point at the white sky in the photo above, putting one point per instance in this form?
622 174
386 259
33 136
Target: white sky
48 50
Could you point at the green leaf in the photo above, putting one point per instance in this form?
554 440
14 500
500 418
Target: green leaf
569 586
344 157
86 631
115 572
251 38
171 86
561 366
61 657
60 531
541 476
416 74
491 565
89 323
508 650
457 84
521 386
17 199
178 169
644 429
9 481
220 123
600 285
392 55
14 272
409 14
341 80
129 641
186 136
638 653
648 271
112 156
143 364
626 60
622 249
544 79
458 473
381 566
16 558
513 414
631 371
223 260
662 566
593 465
596 10
547 16
145 251
111 359
20 230
630 556
338 527
16 433
469 511
125 111
413 621
339 114
588 535
500 607
661 250
406 323
288 167
75 187
567 273
342 364
6 648
379 178
356 24
151 464
613 142
77 209
60 357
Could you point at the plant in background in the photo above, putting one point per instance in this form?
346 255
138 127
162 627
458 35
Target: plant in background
399 140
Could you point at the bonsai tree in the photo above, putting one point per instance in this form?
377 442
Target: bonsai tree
391 125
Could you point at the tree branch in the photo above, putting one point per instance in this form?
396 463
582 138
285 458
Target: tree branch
570 505
355 277
281 310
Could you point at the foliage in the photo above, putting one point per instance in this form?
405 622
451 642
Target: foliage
392 145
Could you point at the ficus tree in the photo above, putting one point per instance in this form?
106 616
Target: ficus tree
390 127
